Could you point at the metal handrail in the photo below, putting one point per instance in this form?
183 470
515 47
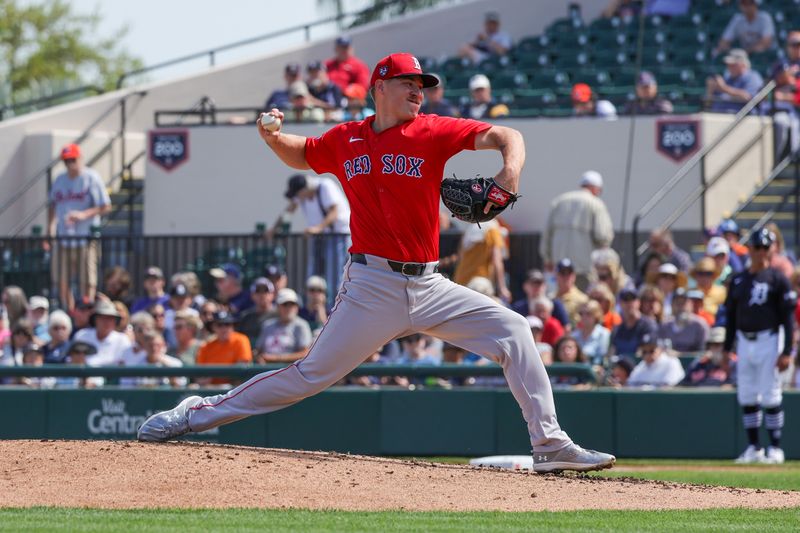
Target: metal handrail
779 168
692 162
46 99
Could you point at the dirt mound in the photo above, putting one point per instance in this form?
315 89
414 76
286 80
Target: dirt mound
131 474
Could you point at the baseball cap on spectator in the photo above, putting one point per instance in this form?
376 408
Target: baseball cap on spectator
535 322
286 296
625 364
648 339
39 302
668 269
737 55
492 16
298 88
292 68
81 347
680 292
627 294
228 269
262 283
344 40
762 237
179 290
314 65
153 272
581 93
695 294
728 226
33 347
316 282
274 272
70 151
535 275
716 335
591 178
565 265
296 183
224 317
645 78
717 246
479 81
84 304
401 64
355 91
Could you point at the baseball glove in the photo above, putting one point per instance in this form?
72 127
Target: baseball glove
467 199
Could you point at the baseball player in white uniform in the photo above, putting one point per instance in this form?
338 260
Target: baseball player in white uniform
391 167
760 317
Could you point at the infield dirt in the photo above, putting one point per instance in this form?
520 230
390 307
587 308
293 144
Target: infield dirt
121 474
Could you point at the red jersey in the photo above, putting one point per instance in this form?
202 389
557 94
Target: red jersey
343 73
392 180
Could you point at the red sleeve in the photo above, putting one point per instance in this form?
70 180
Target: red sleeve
797 93
321 152
363 75
456 134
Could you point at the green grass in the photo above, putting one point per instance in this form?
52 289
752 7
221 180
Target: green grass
50 519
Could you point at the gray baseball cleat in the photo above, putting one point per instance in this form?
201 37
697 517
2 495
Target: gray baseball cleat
572 457
167 425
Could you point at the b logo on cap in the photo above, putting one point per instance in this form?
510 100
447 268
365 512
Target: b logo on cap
383 70
416 64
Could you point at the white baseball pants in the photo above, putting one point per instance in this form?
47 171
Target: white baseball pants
376 305
757 379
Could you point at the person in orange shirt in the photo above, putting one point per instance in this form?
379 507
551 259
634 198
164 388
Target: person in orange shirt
696 296
603 295
226 347
729 229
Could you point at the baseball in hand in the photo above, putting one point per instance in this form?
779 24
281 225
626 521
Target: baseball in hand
270 122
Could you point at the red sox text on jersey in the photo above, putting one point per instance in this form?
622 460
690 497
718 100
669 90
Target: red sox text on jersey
399 164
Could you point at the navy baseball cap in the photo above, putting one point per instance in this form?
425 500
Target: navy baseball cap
228 269
762 237
179 290
565 265
628 294
292 68
297 183
645 78
274 271
728 226
262 283
344 40
224 317
314 65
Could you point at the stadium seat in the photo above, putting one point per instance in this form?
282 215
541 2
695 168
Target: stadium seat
606 40
675 75
548 79
563 25
459 81
531 45
494 64
509 79
568 61
652 57
684 37
453 65
610 58
593 76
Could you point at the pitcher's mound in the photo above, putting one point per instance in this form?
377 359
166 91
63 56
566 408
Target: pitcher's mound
136 475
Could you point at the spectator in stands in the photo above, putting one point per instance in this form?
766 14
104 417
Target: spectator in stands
607 269
143 323
481 104
154 353
415 351
730 231
483 286
534 287
153 290
301 105
685 331
277 275
601 294
621 370
668 281
566 290
287 337
590 334
78 198
661 242
123 326
117 285
15 304
180 299
280 97
327 214
696 298
33 355
316 309
630 334
666 8
586 104
491 42
226 347
778 258
730 92
651 303
187 326
262 292
648 102
657 368
727 263
552 328
207 312
435 103
715 367
578 223
481 253
704 273
228 281
785 117
648 272
81 315
324 93
21 336
103 335
545 350
567 351
344 68
624 9
60 327
357 108
38 306
192 282
752 29
159 314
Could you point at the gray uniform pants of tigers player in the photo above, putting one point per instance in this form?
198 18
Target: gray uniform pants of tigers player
757 380
376 305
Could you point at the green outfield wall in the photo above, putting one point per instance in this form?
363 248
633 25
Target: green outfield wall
464 422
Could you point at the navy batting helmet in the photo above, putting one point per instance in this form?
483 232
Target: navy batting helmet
762 237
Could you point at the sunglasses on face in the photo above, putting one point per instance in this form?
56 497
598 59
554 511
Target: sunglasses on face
158 315
316 290
648 352
704 273
760 247
69 161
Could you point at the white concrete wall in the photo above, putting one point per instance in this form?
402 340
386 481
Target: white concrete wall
248 83
230 190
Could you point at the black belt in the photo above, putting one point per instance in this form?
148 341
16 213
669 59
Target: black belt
753 335
407 269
